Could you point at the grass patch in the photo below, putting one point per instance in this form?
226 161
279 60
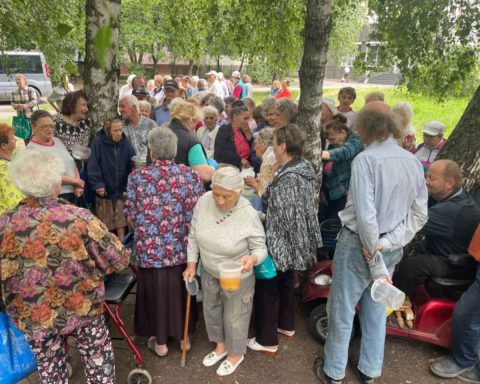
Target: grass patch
424 108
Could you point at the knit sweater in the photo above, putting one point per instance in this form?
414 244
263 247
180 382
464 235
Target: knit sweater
219 236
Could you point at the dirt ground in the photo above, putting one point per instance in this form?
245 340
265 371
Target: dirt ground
405 360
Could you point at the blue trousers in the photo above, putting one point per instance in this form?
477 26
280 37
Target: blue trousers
466 327
351 285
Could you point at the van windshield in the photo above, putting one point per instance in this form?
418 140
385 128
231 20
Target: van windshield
11 64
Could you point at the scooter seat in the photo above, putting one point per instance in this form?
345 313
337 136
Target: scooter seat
447 282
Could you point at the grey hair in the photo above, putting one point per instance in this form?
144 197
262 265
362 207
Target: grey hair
330 104
162 143
287 108
174 102
132 101
210 109
266 134
144 103
217 102
403 113
268 104
36 173
22 76
202 82
229 178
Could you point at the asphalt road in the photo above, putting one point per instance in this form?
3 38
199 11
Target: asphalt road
405 360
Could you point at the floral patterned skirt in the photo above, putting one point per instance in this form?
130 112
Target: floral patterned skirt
111 212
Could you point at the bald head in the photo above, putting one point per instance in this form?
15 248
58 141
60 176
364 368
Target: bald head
378 106
444 177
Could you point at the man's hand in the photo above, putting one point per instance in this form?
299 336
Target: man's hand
368 256
248 262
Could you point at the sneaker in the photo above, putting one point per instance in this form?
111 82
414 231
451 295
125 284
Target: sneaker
227 368
470 377
160 350
285 332
447 367
320 373
353 363
270 351
213 358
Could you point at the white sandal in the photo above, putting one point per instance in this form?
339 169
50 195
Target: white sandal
227 368
213 358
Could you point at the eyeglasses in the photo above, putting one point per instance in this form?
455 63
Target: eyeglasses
46 126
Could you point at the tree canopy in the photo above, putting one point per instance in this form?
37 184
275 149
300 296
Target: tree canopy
434 43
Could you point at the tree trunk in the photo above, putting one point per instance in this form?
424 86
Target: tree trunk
318 22
241 64
190 68
218 63
173 67
463 145
101 84
155 62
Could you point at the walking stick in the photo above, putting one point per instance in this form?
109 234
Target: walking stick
185 330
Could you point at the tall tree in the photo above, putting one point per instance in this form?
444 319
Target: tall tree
318 22
101 72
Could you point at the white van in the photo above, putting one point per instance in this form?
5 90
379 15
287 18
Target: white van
30 64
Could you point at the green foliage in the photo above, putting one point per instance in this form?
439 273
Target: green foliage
55 28
433 42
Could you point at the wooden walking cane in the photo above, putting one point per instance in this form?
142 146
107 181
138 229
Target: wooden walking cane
185 330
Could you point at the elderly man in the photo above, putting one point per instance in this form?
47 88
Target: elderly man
135 126
239 89
158 90
379 219
161 114
127 88
449 229
433 142
215 86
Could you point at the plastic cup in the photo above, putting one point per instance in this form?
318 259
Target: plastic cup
139 161
230 275
192 286
80 152
389 295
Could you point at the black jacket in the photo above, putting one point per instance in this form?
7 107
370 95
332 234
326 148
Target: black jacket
185 142
110 164
225 151
451 224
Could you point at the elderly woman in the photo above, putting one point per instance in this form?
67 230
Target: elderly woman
293 234
208 132
54 259
263 142
234 140
108 168
285 112
190 151
239 236
24 98
403 113
145 108
10 196
72 124
159 205
43 140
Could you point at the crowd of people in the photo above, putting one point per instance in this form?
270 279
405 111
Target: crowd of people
202 176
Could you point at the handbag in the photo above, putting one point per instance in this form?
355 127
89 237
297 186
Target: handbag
266 270
21 126
474 247
16 358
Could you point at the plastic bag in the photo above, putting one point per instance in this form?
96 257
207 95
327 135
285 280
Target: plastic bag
21 126
16 358
266 270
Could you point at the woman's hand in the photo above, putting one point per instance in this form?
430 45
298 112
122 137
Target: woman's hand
101 192
248 261
245 163
325 155
251 182
190 272
77 191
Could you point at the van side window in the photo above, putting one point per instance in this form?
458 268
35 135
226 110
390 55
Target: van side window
12 64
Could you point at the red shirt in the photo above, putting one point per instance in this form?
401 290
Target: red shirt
241 144
284 94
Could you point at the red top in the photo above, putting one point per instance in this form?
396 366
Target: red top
241 144
284 94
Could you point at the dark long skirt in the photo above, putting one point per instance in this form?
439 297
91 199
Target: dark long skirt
160 305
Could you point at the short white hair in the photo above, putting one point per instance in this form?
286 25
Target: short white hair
132 101
144 103
36 173
175 101
229 178
403 113
130 79
162 143
210 110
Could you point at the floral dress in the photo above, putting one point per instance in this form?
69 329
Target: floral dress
160 201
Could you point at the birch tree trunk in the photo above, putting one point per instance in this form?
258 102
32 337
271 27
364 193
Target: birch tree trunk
463 145
101 84
318 22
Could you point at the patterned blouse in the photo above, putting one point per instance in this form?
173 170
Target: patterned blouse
81 133
160 201
10 196
53 260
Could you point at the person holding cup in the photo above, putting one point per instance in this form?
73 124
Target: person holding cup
240 240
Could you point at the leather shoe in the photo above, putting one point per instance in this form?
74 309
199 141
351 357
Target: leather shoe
364 379
320 373
447 367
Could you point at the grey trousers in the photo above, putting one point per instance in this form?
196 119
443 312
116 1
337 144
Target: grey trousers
227 313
